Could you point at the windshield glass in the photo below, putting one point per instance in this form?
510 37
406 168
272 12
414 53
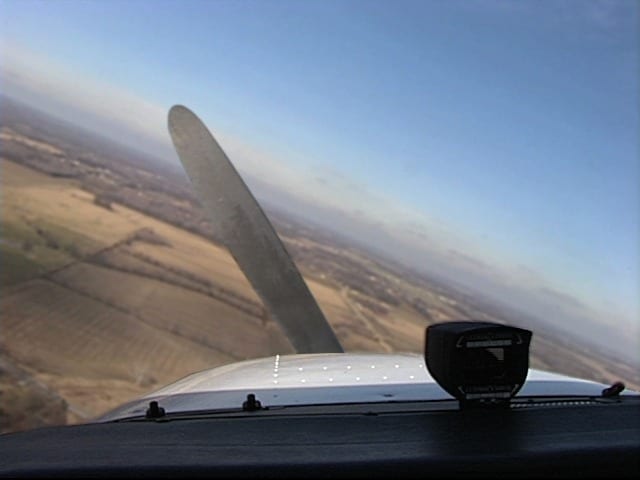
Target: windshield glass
422 161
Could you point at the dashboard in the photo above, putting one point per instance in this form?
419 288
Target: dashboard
535 437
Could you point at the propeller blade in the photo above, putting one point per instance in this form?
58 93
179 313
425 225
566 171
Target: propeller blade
247 233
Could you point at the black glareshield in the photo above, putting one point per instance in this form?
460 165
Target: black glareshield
479 362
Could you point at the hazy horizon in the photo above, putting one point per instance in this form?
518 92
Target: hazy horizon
525 194
386 247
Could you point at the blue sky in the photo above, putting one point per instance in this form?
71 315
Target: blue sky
505 134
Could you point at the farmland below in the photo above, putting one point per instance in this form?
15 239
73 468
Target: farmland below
112 284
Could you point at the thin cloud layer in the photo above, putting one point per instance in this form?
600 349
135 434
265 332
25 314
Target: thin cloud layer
111 111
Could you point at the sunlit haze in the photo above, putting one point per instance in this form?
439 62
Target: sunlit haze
493 143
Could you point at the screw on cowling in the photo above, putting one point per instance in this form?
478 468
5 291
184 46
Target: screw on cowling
154 411
614 390
251 404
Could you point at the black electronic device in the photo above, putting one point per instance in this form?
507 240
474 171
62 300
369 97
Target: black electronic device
478 363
